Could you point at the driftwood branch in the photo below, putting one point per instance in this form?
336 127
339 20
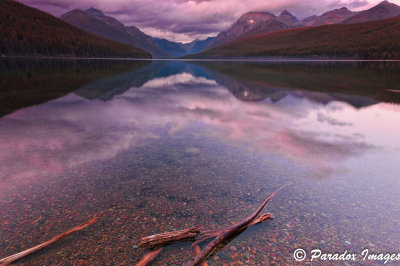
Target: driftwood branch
205 235
10 259
219 236
169 237
149 257
231 230
194 233
262 218
196 251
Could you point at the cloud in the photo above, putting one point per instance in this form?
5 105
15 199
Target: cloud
50 4
355 4
331 121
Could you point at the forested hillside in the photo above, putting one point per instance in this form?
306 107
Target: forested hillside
369 40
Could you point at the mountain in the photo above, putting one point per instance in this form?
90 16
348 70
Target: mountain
94 21
266 27
369 40
173 48
287 18
383 10
253 23
331 17
197 46
177 49
28 31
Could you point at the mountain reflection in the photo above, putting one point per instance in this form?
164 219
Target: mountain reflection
315 130
26 82
358 83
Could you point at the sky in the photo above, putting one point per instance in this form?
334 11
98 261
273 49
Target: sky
186 20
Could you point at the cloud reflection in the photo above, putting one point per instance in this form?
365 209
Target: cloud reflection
71 131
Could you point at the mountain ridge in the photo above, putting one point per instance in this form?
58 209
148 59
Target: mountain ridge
368 40
287 18
383 10
254 23
250 21
178 49
29 31
96 22
330 17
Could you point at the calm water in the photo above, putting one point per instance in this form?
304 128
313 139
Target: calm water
157 146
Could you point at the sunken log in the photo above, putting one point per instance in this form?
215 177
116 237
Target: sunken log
203 236
231 230
10 259
149 257
169 237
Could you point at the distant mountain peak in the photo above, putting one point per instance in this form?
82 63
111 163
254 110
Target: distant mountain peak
96 22
330 17
250 23
386 4
95 12
252 19
384 9
286 13
287 18
338 10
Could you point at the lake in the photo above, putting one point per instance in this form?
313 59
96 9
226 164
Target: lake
155 146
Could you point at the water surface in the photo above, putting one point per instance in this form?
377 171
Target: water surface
158 146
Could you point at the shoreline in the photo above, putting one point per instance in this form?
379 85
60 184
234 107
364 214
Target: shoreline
267 59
